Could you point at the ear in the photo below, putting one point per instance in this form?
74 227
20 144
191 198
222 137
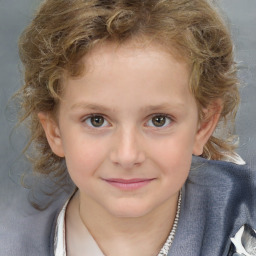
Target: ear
207 126
52 133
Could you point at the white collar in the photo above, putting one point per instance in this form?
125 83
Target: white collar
59 237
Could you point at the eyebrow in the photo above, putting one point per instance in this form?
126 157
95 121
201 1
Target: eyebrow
91 106
163 106
149 108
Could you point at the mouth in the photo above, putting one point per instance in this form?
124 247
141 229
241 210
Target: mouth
128 184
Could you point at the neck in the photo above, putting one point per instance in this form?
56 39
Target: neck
143 235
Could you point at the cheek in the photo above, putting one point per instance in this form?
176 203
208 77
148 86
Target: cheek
174 147
175 165
174 156
83 157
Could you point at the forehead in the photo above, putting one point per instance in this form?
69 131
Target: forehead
131 55
130 71
131 49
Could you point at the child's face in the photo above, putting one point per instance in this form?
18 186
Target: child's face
128 128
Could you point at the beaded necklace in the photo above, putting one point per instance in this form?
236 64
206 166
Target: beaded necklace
165 249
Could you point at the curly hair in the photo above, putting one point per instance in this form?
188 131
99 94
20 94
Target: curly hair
63 31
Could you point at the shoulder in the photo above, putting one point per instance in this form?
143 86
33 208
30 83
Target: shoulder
213 173
218 198
223 185
28 231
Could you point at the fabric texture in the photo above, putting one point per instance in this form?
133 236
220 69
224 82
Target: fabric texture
217 199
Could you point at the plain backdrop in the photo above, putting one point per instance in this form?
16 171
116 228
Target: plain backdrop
15 14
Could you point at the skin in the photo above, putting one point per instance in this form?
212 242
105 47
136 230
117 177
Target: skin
129 168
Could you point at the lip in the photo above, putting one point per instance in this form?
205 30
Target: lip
129 184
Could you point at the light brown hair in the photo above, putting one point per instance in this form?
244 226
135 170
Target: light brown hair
63 31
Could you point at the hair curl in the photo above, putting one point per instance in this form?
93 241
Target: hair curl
63 31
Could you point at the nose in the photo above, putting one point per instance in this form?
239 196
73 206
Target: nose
127 150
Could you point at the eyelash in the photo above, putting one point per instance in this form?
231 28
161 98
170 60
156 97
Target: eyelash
161 115
92 116
85 119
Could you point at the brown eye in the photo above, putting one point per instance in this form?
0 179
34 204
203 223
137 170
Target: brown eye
159 121
96 121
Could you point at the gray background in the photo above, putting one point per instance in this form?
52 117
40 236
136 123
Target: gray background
15 14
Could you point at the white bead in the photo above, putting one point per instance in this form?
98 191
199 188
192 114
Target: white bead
165 249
